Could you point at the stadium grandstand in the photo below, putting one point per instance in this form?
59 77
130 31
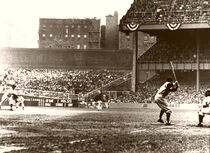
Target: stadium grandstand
61 80
49 76
182 29
167 11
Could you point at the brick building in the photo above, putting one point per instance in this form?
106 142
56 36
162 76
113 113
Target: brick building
69 33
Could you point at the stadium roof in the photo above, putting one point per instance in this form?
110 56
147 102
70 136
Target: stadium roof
166 14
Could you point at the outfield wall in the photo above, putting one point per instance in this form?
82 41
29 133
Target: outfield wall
50 102
66 58
74 102
152 105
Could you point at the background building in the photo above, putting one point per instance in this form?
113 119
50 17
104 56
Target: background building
112 32
69 33
103 31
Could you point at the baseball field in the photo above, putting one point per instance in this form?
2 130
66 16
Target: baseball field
113 130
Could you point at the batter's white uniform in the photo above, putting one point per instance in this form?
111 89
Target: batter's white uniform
164 90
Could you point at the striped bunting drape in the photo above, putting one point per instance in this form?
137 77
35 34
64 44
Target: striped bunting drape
173 26
132 26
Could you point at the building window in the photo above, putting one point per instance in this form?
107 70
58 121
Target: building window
67 30
51 35
78 26
43 37
78 46
72 26
85 36
66 35
85 46
78 36
85 26
43 26
72 36
66 26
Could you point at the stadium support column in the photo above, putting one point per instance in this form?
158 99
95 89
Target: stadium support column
134 65
198 61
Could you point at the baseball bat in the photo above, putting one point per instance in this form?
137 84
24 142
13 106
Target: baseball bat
173 71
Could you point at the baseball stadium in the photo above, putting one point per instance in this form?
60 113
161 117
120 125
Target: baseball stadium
63 112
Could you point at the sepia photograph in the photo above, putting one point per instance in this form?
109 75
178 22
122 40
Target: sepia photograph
105 76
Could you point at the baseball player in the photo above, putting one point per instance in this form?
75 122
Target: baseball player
100 98
160 100
105 99
20 100
10 95
205 108
99 105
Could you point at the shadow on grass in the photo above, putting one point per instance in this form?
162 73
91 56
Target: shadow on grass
204 126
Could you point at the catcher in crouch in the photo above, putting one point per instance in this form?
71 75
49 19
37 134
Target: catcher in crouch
160 100
205 108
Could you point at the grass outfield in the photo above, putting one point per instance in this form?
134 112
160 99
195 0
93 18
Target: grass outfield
79 130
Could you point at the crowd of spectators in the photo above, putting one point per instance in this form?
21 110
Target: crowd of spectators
186 93
164 51
182 49
167 11
48 81
45 81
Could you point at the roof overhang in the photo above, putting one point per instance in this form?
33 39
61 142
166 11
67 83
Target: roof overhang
130 27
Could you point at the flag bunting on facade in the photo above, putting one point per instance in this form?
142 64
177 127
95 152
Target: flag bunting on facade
173 26
132 26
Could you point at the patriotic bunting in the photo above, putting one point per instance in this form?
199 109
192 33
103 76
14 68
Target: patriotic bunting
132 26
173 26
